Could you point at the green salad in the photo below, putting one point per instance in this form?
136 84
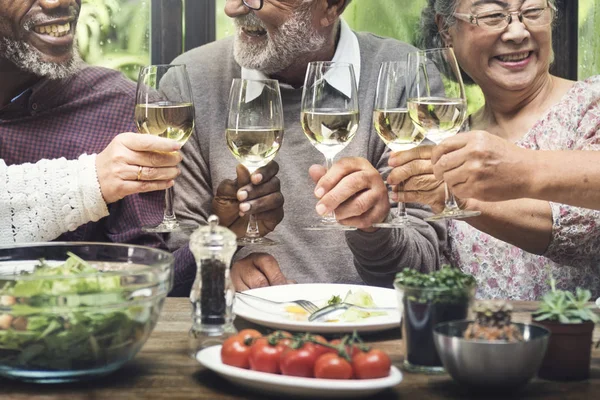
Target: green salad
69 316
358 298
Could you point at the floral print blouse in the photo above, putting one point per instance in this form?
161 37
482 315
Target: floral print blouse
573 256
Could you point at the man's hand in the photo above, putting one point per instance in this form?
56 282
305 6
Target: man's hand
118 165
483 166
259 194
354 190
413 168
257 270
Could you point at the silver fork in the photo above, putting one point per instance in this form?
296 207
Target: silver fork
308 306
319 314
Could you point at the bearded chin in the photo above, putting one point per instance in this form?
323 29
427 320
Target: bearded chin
28 59
295 39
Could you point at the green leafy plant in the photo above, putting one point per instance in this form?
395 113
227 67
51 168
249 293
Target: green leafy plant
565 307
449 285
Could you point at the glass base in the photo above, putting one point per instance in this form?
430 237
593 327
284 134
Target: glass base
397 223
423 369
257 241
329 226
453 214
47 376
170 226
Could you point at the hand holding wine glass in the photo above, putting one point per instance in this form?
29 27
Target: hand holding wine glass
392 123
329 116
160 111
437 106
254 133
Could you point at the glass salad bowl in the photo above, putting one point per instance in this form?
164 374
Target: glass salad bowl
72 311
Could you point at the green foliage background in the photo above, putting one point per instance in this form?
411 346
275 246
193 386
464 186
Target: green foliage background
115 33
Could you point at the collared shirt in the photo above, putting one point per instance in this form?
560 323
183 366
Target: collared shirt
73 116
347 50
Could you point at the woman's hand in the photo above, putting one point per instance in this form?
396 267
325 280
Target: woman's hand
135 163
482 166
414 170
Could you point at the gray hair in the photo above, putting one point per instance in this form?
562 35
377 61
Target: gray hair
429 34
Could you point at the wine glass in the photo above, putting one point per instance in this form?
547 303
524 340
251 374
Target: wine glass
165 108
329 116
254 133
392 123
437 105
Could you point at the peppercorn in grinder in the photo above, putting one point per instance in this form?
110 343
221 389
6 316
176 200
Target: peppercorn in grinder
212 293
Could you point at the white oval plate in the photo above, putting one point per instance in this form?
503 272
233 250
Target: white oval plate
318 293
292 385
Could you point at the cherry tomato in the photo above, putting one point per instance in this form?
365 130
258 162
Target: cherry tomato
235 352
372 364
249 334
299 362
332 366
264 356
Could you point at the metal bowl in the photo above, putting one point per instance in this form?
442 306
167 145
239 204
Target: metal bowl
490 364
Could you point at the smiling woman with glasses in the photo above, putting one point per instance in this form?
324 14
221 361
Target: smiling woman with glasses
495 20
505 46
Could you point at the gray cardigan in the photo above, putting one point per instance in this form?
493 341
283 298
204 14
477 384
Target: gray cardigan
305 256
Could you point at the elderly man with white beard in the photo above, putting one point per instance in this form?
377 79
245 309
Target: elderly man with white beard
277 39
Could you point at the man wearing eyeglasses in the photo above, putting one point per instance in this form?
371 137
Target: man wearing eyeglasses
277 39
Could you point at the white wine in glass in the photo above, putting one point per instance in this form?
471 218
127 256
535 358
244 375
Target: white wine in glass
163 111
393 124
329 117
437 106
254 133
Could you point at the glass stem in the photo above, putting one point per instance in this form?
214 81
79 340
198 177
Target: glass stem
169 215
450 200
252 228
329 217
400 206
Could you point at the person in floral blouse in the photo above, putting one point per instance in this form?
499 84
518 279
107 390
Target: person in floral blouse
506 48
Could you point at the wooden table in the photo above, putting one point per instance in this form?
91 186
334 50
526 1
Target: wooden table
163 370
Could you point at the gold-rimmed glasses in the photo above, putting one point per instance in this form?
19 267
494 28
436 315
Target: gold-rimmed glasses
499 20
253 4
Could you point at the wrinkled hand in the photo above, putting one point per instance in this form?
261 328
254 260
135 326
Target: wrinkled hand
117 166
413 168
480 165
354 190
260 194
257 270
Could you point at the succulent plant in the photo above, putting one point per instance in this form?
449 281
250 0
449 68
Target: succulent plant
565 307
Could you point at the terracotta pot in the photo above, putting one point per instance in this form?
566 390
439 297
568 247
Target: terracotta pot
569 351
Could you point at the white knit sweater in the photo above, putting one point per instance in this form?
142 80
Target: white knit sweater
39 202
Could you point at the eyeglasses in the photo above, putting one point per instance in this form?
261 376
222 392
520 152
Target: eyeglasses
499 20
253 4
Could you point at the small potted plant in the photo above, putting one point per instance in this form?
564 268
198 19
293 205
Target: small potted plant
570 319
426 300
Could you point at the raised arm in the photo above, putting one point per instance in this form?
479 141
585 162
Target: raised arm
508 172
